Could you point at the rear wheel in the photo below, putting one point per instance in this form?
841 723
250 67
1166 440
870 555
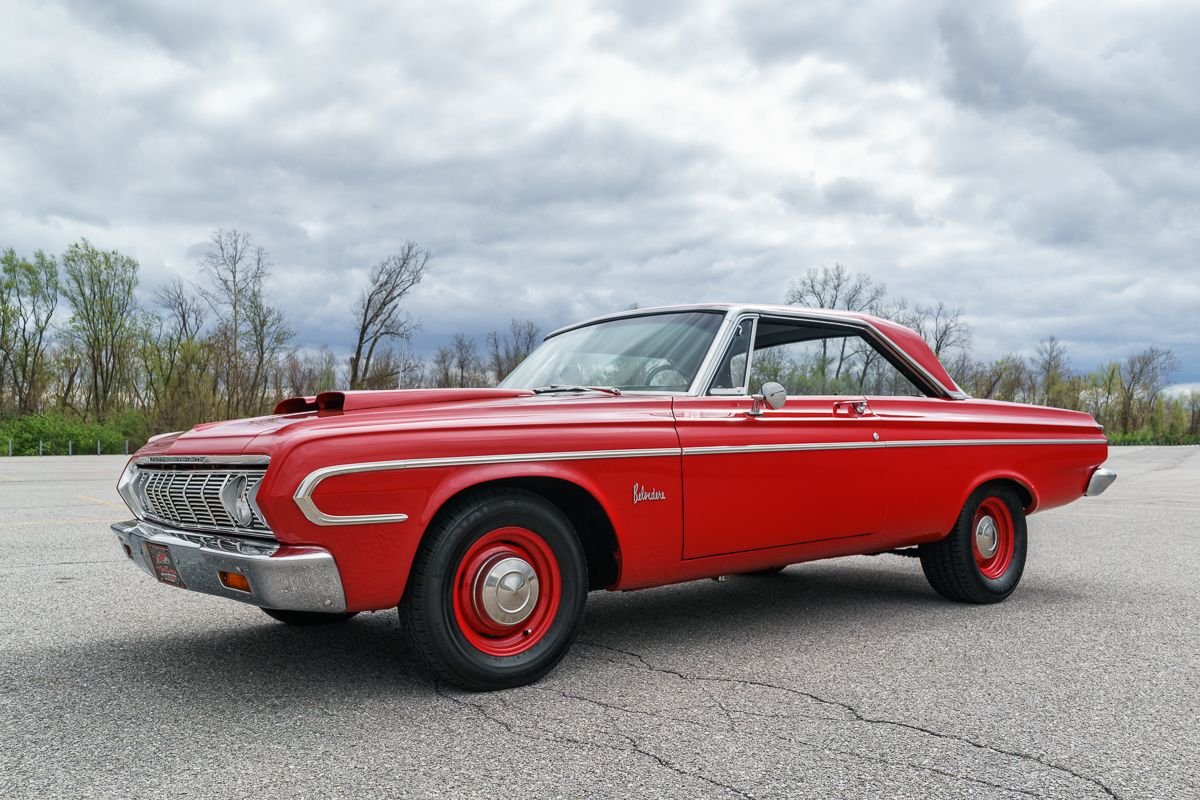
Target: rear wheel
307 617
982 559
497 591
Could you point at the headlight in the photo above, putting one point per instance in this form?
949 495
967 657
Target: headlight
236 502
127 487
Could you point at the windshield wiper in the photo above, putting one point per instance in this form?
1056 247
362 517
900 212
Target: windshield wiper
570 387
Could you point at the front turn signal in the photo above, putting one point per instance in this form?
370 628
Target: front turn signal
234 580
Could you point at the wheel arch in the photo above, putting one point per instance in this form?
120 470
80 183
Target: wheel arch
580 505
1024 488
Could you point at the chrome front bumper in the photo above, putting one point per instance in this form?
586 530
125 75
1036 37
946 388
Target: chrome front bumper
299 579
1101 479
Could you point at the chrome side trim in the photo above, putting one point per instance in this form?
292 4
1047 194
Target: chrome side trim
304 492
778 448
974 442
1101 479
786 448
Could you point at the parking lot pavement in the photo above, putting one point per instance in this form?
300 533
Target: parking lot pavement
846 678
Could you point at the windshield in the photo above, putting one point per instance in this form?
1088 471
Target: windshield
655 353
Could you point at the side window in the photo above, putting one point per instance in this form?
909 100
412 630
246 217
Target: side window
730 377
809 359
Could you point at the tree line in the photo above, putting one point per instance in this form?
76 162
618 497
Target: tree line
1124 395
79 347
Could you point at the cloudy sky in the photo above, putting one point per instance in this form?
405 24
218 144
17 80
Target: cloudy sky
1037 164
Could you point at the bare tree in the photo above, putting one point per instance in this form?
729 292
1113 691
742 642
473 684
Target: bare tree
836 288
268 335
1053 372
443 367
235 269
466 361
1192 405
506 351
1142 377
307 374
184 311
378 309
942 327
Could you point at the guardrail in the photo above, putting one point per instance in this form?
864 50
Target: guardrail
56 448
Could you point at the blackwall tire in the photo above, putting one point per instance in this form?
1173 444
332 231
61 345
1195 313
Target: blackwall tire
307 618
496 593
983 558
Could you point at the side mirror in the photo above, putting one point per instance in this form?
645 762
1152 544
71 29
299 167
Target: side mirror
772 394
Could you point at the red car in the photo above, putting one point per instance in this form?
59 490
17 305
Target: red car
633 450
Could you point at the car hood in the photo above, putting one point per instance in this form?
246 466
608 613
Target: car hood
363 413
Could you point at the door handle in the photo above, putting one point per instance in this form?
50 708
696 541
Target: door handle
851 408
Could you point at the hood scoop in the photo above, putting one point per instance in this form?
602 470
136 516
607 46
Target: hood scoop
357 401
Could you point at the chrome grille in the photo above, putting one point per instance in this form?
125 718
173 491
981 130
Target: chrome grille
189 497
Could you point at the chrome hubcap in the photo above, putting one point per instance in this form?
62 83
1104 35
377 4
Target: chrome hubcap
507 590
987 536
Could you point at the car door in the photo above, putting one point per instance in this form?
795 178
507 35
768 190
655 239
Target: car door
759 478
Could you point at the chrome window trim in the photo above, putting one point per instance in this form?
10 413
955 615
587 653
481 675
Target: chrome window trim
875 338
828 316
304 492
704 362
708 368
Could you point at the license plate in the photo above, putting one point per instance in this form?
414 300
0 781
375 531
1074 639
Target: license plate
164 567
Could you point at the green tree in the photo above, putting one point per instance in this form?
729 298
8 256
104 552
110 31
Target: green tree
29 298
99 287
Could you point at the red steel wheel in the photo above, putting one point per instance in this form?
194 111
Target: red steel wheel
497 590
507 590
993 538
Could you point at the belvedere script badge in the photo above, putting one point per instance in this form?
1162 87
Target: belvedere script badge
641 493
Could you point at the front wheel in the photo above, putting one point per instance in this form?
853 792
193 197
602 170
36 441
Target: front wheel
497 591
982 559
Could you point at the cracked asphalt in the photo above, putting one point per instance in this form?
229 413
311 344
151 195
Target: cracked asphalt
844 678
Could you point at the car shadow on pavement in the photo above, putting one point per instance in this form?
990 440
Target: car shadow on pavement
242 656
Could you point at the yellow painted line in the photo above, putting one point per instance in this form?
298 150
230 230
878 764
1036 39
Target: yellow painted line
108 503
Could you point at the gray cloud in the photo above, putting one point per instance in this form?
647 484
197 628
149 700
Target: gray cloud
1036 165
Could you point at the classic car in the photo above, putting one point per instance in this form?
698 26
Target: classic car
633 450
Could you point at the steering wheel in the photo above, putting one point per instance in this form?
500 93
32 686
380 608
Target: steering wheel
662 369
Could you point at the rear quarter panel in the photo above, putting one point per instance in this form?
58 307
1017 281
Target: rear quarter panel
939 451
